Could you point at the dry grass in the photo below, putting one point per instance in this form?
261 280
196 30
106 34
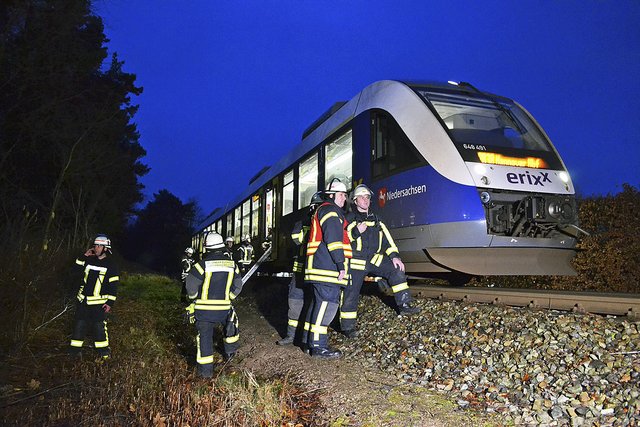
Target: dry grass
149 380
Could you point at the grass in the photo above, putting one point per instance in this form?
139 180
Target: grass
149 379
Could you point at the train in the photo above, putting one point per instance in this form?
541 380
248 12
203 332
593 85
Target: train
467 182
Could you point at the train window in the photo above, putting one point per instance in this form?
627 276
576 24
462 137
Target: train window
268 217
391 150
338 160
307 180
237 226
255 215
229 224
246 215
287 193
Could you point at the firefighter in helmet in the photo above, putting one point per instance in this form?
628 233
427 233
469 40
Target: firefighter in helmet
374 253
299 296
326 268
186 263
96 296
228 246
212 284
245 254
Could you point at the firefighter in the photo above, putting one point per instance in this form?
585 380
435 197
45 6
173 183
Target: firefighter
212 284
228 242
186 263
245 254
298 295
374 253
326 268
96 296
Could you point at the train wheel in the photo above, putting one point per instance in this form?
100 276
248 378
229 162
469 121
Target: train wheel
459 279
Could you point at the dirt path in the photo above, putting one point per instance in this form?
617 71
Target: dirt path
351 395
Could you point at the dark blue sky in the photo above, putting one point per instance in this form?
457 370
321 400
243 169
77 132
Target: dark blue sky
229 86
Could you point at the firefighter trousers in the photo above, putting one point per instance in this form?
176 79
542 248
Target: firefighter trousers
205 324
326 297
396 279
298 302
92 319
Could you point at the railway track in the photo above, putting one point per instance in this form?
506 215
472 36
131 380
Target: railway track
584 302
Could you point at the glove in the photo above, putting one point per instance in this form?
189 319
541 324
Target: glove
189 313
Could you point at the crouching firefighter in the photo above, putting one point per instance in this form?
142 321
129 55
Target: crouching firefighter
212 284
96 296
328 253
374 253
299 296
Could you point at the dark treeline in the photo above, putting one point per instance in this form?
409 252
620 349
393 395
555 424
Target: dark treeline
70 161
69 157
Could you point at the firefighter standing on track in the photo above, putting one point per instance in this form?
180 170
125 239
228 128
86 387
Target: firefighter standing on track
245 254
374 253
299 296
212 284
328 253
186 263
96 296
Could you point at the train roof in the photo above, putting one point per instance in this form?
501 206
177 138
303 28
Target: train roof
331 120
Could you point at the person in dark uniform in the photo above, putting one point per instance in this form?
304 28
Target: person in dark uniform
212 284
299 296
96 296
326 268
186 263
228 243
245 254
374 253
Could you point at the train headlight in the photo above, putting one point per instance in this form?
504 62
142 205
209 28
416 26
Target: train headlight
485 197
561 209
564 177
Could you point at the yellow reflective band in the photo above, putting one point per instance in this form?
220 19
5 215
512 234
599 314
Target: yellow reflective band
400 287
111 297
376 260
212 307
348 314
334 246
307 326
101 344
204 360
327 216
114 279
317 328
292 323
76 343
200 269
391 250
79 262
232 295
231 340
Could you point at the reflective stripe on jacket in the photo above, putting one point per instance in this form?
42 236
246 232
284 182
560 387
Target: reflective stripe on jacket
371 245
328 248
100 281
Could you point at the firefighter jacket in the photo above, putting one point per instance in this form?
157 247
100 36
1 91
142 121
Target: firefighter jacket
299 235
328 248
186 264
245 254
371 245
100 281
213 283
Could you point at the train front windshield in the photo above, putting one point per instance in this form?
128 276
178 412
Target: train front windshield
483 128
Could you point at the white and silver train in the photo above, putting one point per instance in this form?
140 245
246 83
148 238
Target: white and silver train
467 181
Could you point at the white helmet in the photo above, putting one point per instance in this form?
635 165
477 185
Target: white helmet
213 241
189 251
102 240
247 238
361 190
229 239
336 187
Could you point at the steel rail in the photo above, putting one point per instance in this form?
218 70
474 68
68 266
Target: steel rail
618 304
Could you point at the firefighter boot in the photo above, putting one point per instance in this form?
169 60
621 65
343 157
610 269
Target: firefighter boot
405 309
350 333
288 340
205 371
326 353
